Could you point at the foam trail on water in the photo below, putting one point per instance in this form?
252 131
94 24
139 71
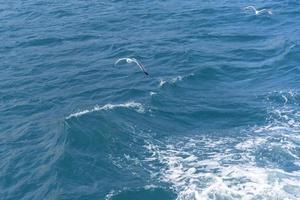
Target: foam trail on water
228 174
138 107
262 164
247 167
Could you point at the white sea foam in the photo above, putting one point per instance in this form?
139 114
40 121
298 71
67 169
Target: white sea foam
283 118
111 194
218 176
201 168
137 106
287 96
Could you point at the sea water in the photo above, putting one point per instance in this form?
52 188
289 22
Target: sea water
217 118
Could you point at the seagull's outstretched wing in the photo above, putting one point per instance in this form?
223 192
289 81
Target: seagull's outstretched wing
140 65
120 60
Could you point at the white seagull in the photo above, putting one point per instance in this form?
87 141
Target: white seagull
132 60
257 12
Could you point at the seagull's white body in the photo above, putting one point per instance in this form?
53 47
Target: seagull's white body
257 12
133 60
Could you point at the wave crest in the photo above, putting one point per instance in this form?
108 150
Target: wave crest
137 106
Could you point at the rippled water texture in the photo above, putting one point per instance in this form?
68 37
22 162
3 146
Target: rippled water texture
217 118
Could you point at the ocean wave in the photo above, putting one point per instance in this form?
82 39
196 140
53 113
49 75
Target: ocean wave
137 106
283 53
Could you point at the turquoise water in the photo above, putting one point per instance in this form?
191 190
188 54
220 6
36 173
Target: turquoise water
217 118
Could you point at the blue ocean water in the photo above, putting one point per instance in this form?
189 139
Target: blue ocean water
217 118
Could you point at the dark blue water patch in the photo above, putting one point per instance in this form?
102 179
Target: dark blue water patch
28 148
96 149
42 42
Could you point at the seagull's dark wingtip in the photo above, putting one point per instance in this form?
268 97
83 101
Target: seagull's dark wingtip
146 73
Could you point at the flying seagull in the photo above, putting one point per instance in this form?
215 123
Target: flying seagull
257 12
132 60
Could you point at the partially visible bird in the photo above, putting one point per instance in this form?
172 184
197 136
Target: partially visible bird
257 12
133 60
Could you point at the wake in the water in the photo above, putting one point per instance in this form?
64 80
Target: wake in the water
262 163
229 171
